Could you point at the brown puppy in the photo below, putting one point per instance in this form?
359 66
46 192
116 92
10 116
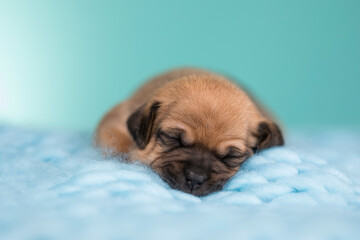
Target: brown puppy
193 127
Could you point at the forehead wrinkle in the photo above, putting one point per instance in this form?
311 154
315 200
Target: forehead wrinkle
226 144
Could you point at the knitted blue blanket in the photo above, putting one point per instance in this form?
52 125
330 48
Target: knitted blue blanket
55 185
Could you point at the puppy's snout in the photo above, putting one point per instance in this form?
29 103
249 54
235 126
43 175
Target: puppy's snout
195 177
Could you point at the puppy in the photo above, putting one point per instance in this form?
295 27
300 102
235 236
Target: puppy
193 127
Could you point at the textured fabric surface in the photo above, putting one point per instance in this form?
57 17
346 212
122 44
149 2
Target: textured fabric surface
55 185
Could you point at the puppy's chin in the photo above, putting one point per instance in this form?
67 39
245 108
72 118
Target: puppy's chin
174 175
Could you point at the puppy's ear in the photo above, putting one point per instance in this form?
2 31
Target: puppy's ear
140 123
267 135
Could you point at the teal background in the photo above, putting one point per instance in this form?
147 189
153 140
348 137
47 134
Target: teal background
64 63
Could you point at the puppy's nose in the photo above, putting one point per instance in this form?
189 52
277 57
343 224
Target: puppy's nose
195 178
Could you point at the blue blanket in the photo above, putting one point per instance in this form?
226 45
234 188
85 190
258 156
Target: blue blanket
55 185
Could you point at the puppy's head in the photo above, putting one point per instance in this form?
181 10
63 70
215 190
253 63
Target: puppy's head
196 132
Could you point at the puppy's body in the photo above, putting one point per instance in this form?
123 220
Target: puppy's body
193 127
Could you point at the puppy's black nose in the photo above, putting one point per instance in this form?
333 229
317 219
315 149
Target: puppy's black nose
195 177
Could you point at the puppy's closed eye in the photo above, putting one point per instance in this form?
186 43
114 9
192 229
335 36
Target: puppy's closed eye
235 157
169 139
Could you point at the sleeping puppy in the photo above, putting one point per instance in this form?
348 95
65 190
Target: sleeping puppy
193 127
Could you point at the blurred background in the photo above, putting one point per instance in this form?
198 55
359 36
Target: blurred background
63 64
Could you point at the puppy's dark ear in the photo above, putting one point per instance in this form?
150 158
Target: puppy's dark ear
267 135
140 123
